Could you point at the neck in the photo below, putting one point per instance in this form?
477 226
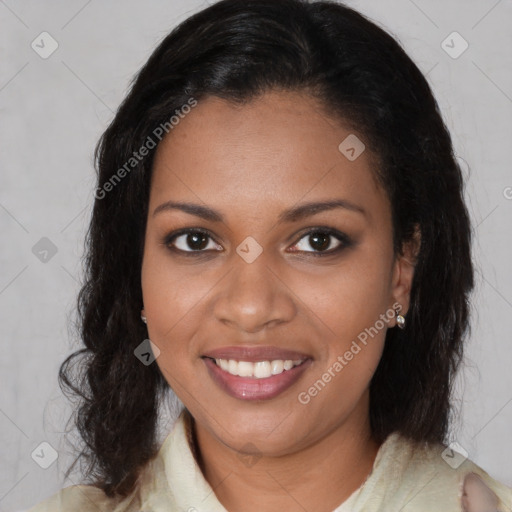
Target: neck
319 477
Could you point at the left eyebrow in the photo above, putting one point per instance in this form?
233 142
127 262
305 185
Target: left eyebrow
307 209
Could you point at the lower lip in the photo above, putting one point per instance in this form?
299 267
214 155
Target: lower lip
250 388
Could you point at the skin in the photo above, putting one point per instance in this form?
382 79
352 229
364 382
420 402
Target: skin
477 496
250 163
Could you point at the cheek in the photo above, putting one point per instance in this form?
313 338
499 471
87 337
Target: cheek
351 310
172 301
350 299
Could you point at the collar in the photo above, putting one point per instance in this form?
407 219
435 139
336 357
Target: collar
404 474
190 489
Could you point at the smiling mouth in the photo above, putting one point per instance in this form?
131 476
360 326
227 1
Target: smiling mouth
254 380
257 369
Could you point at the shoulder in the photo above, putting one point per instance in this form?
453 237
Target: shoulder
85 498
421 477
151 493
434 473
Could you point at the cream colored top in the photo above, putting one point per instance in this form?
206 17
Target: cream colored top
405 476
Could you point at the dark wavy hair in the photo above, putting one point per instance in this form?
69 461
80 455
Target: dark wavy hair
238 50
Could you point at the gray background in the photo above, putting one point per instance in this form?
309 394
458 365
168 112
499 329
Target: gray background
53 111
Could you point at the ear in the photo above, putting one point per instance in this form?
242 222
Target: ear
403 271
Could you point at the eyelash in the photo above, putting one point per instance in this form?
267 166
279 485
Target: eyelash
344 240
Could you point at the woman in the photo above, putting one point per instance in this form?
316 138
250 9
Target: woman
279 211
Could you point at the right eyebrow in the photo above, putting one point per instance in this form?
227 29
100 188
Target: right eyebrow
193 209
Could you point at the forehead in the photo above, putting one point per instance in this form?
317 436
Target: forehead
278 148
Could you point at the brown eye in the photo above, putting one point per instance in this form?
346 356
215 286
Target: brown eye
320 241
191 241
325 240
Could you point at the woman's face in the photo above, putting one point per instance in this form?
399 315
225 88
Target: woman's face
263 286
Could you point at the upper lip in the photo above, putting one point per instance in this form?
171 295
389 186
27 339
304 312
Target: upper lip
254 354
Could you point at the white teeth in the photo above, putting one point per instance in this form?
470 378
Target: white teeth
259 369
262 370
245 369
232 367
277 366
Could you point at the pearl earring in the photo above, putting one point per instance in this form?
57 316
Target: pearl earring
142 317
400 320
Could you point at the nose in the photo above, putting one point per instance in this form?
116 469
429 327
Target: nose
253 297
